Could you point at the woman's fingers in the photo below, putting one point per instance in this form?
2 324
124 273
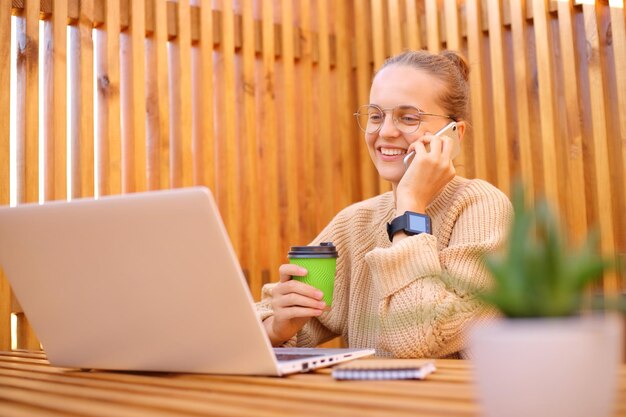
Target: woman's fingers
286 271
295 299
297 287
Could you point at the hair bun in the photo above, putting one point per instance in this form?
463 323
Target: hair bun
459 61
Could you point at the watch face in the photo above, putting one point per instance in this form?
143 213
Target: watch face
418 223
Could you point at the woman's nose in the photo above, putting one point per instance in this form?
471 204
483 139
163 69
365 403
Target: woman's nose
389 128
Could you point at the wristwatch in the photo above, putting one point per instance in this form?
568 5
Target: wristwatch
411 223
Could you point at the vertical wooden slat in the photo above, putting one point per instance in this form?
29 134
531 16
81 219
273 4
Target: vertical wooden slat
414 33
27 132
618 27
269 146
522 96
207 137
600 140
85 184
576 212
477 86
5 103
288 121
73 128
48 153
346 104
138 140
59 17
113 180
499 87
250 240
433 39
454 42
183 42
228 145
159 102
545 73
379 55
453 33
368 174
395 26
327 161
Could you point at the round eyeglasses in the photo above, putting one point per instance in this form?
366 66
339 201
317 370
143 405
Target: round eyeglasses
407 119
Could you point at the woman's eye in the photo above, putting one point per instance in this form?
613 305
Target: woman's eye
375 118
410 119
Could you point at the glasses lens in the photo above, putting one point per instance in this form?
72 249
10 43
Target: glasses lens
370 118
407 118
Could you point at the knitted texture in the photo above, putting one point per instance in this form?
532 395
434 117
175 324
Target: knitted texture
412 299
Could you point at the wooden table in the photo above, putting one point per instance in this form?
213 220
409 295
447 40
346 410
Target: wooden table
29 386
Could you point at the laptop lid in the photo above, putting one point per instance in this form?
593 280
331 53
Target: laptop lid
145 281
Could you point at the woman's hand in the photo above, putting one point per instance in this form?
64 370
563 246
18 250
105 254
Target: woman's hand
294 303
430 171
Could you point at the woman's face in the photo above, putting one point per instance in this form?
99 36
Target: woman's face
402 85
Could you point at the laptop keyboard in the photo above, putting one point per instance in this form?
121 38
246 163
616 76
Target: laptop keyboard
291 356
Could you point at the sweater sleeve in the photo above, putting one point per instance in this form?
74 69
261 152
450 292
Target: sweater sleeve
424 287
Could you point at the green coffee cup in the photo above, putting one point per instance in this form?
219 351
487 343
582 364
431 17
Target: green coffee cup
321 263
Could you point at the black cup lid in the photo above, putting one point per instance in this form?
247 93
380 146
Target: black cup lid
324 250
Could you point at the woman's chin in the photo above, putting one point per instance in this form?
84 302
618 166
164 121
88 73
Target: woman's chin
391 174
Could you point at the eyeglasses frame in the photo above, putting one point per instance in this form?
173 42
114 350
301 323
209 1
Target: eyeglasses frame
392 109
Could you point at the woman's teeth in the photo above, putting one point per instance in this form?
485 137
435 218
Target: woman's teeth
392 152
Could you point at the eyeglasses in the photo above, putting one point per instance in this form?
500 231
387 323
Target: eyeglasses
407 119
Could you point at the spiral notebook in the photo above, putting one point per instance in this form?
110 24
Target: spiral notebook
379 369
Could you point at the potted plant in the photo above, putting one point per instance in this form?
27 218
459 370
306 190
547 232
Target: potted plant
547 356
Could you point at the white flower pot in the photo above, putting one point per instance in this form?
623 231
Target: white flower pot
547 367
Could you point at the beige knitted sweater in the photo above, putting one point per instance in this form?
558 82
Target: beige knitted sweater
412 299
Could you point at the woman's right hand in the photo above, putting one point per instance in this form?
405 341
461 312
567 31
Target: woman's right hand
294 303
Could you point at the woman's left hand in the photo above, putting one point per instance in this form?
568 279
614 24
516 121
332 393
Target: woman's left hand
430 171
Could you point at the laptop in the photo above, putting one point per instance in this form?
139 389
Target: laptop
142 282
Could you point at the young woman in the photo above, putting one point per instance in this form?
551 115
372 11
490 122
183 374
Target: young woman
405 293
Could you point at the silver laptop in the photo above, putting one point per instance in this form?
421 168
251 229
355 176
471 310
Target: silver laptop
141 282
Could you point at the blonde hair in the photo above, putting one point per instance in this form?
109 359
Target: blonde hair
449 67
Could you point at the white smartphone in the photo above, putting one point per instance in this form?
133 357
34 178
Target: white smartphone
451 130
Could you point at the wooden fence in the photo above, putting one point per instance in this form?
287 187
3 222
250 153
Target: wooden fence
255 98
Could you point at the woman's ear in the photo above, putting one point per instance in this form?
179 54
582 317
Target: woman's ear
461 126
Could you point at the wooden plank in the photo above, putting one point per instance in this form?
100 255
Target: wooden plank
229 143
288 122
362 17
618 28
433 39
27 131
477 86
499 88
576 212
113 181
207 137
519 32
85 186
47 116
138 35
464 162
183 41
346 103
5 135
596 64
59 21
250 243
414 33
327 162
73 128
269 142
547 97
394 21
161 103
379 56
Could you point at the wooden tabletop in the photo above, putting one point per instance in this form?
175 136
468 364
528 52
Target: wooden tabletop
29 386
